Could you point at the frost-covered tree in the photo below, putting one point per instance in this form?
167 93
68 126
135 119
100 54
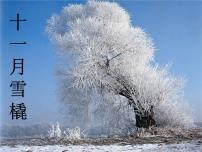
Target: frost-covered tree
115 59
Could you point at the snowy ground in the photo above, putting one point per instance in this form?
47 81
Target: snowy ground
190 141
183 147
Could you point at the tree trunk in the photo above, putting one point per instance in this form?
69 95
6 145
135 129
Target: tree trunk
144 120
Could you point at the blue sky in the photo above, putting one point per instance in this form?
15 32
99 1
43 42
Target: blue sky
175 27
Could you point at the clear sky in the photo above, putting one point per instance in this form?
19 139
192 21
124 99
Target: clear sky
175 27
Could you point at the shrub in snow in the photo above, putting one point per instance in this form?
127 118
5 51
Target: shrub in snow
73 134
55 131
70 134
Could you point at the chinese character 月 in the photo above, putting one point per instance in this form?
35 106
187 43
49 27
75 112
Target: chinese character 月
17 64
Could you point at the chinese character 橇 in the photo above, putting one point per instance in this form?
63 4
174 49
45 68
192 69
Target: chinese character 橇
18 111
